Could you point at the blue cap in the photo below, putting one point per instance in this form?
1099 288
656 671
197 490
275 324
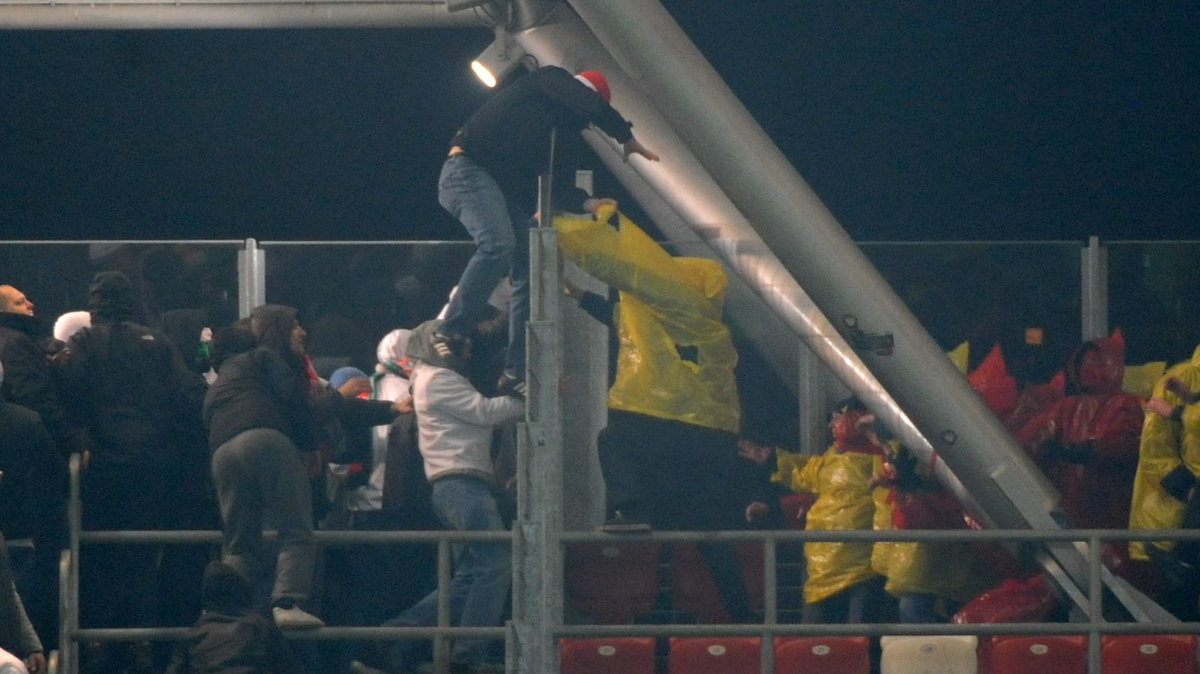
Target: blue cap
344 374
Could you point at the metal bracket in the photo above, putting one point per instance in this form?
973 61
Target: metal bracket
881 344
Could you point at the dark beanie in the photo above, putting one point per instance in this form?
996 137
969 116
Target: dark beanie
110 297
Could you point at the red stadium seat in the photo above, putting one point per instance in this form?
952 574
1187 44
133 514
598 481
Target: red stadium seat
714 655
1043 654
694 591
843 655
613 583
619 655
1148 654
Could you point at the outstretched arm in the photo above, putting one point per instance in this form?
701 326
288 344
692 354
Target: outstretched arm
632 146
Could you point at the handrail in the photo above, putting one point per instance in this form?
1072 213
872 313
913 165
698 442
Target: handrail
71 634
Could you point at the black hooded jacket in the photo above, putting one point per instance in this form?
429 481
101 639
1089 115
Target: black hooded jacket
265 387
510 134
27 377
127 384
269 387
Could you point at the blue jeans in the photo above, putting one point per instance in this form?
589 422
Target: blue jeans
469 193
482 570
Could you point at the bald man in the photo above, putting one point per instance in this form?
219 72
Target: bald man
14 301
28 382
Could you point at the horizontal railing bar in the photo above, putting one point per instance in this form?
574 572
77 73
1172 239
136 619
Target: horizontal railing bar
348 537
687 629
317 634
128 242
324 537
902 535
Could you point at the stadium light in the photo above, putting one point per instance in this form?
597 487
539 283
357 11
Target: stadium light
500 58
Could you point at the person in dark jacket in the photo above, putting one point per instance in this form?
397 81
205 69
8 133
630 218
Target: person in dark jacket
126 389
30 383
230 637
262 413
489 183
26 501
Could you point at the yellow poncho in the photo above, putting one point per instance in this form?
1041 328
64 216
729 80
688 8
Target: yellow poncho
1165 444
676 355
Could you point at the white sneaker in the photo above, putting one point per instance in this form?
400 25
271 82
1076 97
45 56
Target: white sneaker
295 618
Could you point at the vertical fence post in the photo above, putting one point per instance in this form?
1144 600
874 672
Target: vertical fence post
1093 287
537 558
252 277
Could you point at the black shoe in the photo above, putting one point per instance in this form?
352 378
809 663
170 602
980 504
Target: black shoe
511 385
620 523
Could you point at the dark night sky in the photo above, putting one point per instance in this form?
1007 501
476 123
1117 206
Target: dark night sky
952 119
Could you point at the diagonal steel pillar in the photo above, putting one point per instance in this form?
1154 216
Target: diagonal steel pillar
763 186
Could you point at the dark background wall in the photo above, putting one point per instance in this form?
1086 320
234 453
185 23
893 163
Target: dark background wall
944 120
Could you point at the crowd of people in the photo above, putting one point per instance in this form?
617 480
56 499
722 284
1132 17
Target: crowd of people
232 426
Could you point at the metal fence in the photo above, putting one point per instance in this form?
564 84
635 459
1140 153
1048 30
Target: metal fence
238 275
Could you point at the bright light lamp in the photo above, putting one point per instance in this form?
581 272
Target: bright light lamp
500 58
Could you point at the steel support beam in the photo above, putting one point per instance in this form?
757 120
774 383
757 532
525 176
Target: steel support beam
210 14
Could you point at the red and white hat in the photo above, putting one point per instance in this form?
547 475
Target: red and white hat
595 80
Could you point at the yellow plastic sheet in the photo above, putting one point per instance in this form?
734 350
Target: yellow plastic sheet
844 502
960 356
1140 379
676 356
1165 444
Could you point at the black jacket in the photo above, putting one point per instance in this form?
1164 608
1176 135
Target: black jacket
28 380
128 386
259 389
510 134
27 456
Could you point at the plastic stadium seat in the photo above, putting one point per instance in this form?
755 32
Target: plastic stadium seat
1043 654
1148 654
619 655
929 655
694 591
843 655
613 583
714 655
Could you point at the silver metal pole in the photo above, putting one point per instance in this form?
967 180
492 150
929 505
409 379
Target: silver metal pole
132 14
252 277
668 69
538 569
1093 270
686 188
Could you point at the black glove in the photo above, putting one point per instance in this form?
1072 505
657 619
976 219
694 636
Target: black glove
1178 482
1078 452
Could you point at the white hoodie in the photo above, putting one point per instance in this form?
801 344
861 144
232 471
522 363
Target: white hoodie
455 421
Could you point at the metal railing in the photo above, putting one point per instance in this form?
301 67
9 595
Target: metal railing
538 541
1094 626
